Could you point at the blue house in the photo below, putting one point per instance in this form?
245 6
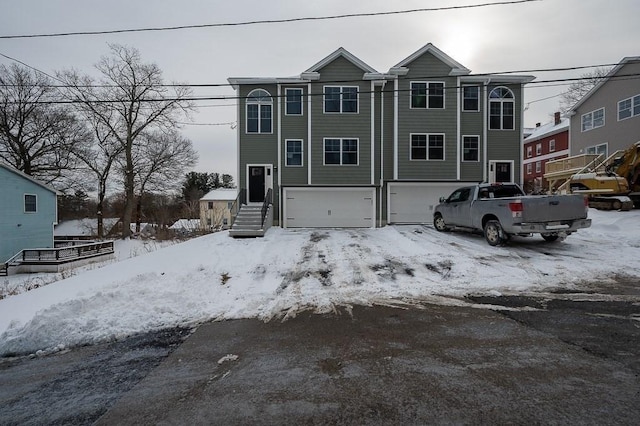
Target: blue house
28 213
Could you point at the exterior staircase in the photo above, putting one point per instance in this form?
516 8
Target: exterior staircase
249 221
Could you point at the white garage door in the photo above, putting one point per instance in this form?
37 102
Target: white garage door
414 202
329 207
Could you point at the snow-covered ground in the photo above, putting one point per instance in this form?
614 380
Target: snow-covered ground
217 277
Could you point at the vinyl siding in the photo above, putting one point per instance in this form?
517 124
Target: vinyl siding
336 125
472 124
429 69
294 127
22 230
617 134
506 144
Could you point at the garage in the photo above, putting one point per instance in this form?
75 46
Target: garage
413 202
329 207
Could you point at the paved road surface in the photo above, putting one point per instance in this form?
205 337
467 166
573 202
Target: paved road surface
570 362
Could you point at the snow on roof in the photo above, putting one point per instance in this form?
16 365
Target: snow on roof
82 227
225 194
188 224
547 130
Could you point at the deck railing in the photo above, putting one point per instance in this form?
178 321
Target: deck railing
64 254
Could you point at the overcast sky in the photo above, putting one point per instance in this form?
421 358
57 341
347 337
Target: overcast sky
536 35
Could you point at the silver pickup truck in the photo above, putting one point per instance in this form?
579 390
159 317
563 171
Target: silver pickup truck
503 210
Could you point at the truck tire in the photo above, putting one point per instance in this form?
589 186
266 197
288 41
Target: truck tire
438 223
494 234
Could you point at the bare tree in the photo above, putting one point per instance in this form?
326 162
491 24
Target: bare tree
36 135
160 160
129 99
578 89
99 158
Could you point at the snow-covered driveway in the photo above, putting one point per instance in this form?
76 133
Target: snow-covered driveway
217 277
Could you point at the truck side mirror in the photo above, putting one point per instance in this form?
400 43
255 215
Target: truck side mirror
442 199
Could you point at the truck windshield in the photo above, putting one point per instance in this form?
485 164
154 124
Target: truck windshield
504 191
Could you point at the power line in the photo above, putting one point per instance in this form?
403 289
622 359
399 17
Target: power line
269 21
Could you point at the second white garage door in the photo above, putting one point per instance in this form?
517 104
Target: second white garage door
414 202
329 207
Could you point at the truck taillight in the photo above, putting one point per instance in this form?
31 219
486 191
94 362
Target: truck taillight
586 203
516 206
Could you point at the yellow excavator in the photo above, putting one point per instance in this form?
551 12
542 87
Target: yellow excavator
615 188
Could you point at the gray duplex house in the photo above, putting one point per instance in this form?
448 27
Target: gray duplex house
343 145
607 118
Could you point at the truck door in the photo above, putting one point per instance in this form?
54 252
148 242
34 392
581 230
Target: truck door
458 207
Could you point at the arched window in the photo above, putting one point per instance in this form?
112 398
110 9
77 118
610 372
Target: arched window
501 109
259 111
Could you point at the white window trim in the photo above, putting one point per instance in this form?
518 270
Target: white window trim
591 114
341 140
286 95
552 145
427 82
529 169
246 113
632 101
444 146
478 142
539 148
478 89
286 152
24 205
538 166
529 151
324 104
501 101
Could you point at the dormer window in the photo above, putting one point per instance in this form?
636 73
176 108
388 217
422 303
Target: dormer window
259 112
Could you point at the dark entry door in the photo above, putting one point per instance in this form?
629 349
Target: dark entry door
256 184
503 172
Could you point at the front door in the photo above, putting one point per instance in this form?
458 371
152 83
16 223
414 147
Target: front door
257 181
500 171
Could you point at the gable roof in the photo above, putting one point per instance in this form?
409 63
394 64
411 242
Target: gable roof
27 177
548 129
341 52
603 81
456 67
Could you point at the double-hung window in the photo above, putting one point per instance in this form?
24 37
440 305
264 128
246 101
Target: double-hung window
593 120
30 203
529 151
259 112
539 149
470 148
294 152
470 98
341 99
501 109
628 108
293 101
552 145
427 94
427 146
341 152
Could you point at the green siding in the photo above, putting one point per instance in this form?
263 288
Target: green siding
20 230
337 125
427 68
294 127
507 144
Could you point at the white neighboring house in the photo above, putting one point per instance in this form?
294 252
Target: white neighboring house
215 208
83 228
183 227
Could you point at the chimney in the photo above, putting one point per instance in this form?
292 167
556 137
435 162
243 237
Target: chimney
556 118
537 124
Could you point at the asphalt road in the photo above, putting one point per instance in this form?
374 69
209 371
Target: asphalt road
547 359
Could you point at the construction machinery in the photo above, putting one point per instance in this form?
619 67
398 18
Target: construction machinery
611 184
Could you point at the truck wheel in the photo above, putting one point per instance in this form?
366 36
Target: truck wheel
493 233
550 237
438 223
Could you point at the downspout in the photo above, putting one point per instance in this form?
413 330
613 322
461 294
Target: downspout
485 119
458 136
279 92
384 82
373 133
309 133
396 87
